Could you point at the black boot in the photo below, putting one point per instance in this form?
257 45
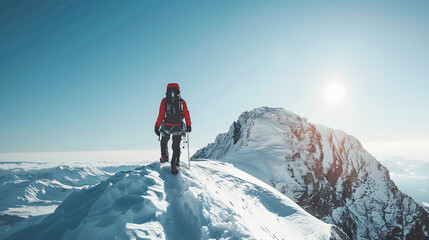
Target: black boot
174 169
163 159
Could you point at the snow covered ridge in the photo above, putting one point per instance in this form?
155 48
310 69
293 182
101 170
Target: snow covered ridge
325 171
28 193
43 187
210 201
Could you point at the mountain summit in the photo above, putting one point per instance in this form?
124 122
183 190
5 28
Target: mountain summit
325 171
212 200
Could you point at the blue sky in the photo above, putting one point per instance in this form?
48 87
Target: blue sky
90 75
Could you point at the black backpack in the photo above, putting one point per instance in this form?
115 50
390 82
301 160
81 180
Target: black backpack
173 106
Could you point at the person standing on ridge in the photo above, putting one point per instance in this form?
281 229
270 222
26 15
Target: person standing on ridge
170 122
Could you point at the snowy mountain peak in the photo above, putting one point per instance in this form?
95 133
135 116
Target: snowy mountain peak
325 171
210 201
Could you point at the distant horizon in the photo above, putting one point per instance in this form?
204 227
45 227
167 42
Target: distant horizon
409 150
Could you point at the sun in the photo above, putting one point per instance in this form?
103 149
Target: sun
334 94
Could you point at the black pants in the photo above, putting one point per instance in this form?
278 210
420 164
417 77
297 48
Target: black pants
176 148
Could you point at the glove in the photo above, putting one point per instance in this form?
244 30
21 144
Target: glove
188 128
157 131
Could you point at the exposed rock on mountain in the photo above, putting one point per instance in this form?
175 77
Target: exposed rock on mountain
325 171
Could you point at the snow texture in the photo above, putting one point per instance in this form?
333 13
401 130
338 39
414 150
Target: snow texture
325 171
210 201
36 189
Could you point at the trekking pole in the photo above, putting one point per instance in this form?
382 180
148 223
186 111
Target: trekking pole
187 140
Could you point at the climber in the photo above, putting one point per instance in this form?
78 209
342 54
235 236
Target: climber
170 122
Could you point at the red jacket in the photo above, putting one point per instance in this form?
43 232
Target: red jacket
161 115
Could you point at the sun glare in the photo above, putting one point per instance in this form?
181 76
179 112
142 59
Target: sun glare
334 94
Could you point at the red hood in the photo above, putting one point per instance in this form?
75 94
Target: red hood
173 85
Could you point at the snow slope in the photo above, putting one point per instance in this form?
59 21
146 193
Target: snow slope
35 189
325 171
210 201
